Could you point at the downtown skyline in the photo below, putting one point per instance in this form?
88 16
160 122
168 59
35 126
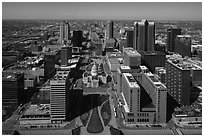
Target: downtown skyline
191 11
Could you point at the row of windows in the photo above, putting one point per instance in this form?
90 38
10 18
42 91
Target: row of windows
130 120
142 120
143 114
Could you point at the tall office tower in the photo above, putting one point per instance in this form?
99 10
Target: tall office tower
131 93
64 32
61 33
183 45
144 36
13 92
66 54
129 39
158 93
67 31
49 65
77 38
131 57
58 97
109 29
171 35
153 59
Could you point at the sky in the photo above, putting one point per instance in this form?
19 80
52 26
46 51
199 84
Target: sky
105 10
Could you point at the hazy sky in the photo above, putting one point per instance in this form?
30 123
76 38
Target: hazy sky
88 10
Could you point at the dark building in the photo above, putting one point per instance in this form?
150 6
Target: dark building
178 81
153 59
49 65
144 36
98 49
66 54
13 92
77 38
129 39
171 35
109 30
159 47
183 45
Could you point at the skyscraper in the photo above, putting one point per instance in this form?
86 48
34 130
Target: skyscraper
171 35
64 32
66 54
58 97
77 38
67 31
129 39
109 29
49 65
13 92
183 45
144 35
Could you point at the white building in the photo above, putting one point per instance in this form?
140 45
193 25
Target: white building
158 93
58 96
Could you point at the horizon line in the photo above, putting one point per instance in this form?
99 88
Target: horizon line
106 19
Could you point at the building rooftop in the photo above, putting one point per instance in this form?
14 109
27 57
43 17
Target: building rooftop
183 63
154 80
61 75
38 110
131 81
132 52
10 76
125 67
183 36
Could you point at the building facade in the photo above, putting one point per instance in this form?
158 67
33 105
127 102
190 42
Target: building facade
158 94
66 54
183 45
109 30
58 97
49 66
13 93
131 57
178 81
144 36
171 35
129 38
153 59
64 32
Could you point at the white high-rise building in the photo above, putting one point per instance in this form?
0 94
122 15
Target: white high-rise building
64 32
58 97
158 93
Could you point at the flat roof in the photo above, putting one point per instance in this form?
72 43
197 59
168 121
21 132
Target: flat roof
131 81
132 52
125 67
156 82
38 110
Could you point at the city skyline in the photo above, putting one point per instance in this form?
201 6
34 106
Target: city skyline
103 10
